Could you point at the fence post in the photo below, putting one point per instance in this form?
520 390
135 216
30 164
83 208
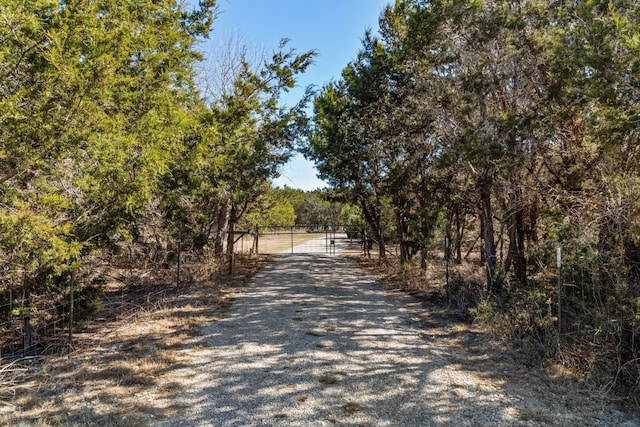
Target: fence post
559 267
447 242
71 289
27 338
178 267
256 240
71 302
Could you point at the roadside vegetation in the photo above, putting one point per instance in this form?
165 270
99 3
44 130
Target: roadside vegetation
122 370
507 131
487 151
119 152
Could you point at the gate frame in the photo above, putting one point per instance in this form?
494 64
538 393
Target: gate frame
329 230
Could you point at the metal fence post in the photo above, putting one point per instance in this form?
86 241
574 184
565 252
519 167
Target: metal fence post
446 258
178 267
71 289
559 267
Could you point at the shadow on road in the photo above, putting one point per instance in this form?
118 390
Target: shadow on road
317 342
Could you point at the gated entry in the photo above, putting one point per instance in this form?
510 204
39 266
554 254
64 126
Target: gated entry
330 239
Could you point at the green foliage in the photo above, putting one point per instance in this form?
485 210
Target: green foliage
316 208
272 210
107 145
351 215
234 148
93 107
87 301
514 121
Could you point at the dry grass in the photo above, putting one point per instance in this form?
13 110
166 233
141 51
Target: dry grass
484 333
121 372
465 281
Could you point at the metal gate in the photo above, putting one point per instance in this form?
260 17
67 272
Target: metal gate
326 239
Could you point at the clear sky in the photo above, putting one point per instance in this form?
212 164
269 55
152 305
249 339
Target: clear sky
334 28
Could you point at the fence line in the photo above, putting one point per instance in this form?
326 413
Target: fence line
309 239
25 331
39 323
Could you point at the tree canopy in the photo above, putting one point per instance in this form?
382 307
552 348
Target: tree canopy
510 123
108 146
517 121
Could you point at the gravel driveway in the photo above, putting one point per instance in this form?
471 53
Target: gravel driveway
315 341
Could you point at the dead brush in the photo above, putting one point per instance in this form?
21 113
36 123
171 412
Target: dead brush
122 358
11 376
465 279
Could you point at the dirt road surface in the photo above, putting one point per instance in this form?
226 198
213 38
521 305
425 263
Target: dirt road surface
315 341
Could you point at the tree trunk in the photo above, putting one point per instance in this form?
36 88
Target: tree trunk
516 232
402 232
223 223
520 259
382 249
515 254
230 238
483 255
373 219
459 235
486 217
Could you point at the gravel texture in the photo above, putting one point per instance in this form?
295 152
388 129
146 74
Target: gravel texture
315 341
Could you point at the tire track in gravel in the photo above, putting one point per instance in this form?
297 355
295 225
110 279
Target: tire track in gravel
315 341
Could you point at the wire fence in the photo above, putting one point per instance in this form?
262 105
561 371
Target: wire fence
43 324
555 301
36 324
28 325
47 323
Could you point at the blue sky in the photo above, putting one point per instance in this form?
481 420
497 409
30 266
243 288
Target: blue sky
334 28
